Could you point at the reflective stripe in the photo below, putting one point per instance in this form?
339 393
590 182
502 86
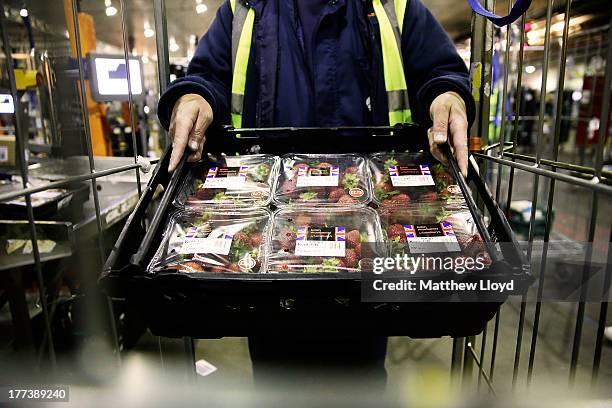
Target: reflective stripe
242 36
400 12
393 68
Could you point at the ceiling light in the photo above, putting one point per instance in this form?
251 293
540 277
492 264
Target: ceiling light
148 31
530 69
110 9
174 47
146 109
201 7
23 12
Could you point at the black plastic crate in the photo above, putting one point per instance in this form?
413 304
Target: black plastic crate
206 305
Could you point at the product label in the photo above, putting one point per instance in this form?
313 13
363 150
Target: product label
226 177
196 241
321 241
318 176
411 175
431 238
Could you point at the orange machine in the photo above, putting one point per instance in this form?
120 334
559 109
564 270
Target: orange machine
100 141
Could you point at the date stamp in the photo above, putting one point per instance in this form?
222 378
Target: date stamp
54 393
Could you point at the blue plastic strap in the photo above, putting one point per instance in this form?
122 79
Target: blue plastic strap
518 9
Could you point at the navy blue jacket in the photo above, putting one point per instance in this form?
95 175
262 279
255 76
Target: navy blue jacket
344 84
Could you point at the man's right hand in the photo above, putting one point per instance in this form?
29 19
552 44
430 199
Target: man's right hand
191 116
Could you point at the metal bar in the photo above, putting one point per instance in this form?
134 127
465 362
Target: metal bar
190 356
92 166
517 109
130 96
466 375
560 165
603 312
502 128
592 184
68 180
456 356
603 131
478 363
483 344
161 42
551 195
494 347
20 140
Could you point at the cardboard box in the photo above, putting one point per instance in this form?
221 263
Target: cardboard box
7 151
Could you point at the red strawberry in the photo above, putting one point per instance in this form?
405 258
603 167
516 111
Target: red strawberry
233 267
256 239
398 200
353 239
444 176
428 196
351 259
287 239
352 170
241 237
384 186
396 231
288 187
346 199
190 266
357 250
336 194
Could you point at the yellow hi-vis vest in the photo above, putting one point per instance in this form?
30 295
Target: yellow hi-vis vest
387 12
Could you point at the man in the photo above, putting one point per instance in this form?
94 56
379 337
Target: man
321 63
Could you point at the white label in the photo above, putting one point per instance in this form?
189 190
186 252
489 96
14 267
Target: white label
321 241
226 177
219 246
204 368
318 176
44 246
431 238
39 198
3 153
411 175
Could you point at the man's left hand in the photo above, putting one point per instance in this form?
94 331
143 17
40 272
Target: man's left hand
448 114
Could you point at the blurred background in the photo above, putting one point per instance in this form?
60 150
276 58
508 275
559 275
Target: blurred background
541 99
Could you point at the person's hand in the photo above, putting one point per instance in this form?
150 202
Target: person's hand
448 113
191 116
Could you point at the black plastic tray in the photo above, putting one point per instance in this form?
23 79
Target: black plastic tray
176 304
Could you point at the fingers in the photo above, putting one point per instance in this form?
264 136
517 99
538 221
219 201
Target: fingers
459 141
434 148
440 115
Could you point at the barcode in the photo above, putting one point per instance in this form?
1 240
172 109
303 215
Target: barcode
320 248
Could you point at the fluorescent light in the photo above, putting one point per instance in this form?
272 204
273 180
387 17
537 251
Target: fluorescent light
23 12
110 11
530 69
201 8
149 32
576 96
174 47
146 109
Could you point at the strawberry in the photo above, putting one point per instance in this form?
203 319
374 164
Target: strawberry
398 200
351 170
444 176
351 259
357 250
396 231
256 239
287 239
323 164
335 194
428 196
353 239
190 266
242 239
233 267
288 187
346 199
